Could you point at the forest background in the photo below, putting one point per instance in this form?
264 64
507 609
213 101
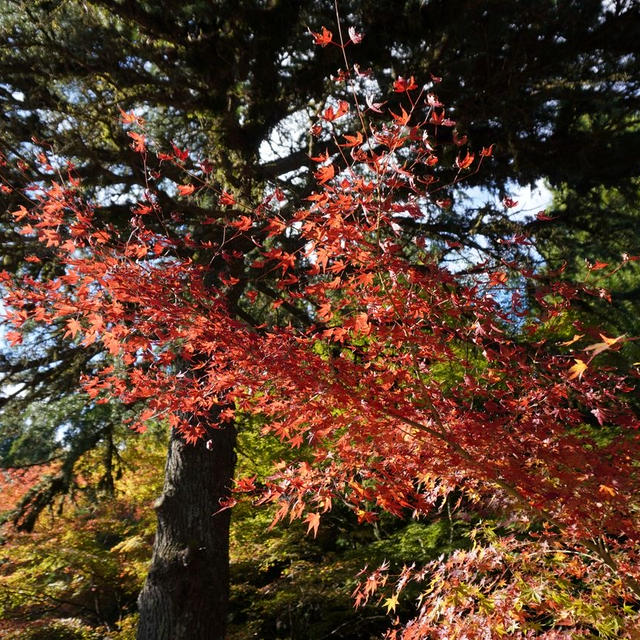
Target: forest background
554 85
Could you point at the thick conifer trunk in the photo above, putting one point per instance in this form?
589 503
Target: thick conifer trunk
186 593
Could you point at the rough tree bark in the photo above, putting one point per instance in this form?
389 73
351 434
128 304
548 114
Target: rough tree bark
186 593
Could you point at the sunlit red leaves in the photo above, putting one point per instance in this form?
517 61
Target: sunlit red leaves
466 161
139 143
401 118
323 38
242 224
322 157
101 237
180 154
359 327
14 338
142 209
401 85
312 520
245 484
498 277
361 324
487 152
15 483
324 174
20 214
352 141
73 326
438 117
227 199
130 118
330 114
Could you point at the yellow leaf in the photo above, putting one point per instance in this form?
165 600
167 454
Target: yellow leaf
575 338
603 488
391 603
599 347
133 544
577 369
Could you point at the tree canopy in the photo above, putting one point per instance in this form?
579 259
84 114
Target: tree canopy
227 92
553 85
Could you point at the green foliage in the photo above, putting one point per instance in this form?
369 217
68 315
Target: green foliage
81 568
86 559
68 629
596 227
287 584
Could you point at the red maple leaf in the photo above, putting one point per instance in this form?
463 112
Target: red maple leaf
402 84
180 154
324 38
227 199
313 522
242 224
139 141
466 162
324 174
408 386
487 151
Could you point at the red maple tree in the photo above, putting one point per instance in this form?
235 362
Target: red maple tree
405 381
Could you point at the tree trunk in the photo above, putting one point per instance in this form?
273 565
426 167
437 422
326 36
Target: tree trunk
186 592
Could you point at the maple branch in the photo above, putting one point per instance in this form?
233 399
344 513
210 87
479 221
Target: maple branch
43 597
292 309
598 549
275 168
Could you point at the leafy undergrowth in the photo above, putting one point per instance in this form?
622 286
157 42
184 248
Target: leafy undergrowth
77 575
288 585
